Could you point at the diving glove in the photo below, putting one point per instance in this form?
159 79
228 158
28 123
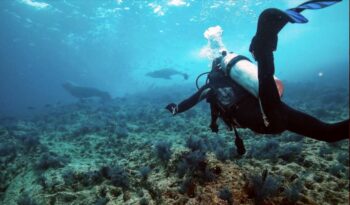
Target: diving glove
172 107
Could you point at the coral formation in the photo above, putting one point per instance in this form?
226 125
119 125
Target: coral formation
124 153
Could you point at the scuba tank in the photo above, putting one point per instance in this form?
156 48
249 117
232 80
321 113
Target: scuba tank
245 73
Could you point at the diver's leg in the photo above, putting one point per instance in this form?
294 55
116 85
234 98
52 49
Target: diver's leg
309 126
268 92
270 22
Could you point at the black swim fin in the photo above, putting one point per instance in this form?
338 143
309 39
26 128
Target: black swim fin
296 17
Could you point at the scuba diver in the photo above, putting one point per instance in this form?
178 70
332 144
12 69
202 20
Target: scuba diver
263 112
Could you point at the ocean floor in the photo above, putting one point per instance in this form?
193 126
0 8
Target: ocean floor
132 151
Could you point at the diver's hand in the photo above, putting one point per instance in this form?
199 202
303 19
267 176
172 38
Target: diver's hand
172 107
214 127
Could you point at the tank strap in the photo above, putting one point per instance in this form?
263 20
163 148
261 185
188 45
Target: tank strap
266 121
233 63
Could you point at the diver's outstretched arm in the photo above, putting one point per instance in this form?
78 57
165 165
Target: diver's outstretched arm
189 102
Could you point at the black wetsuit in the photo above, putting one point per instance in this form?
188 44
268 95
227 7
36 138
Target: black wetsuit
246 111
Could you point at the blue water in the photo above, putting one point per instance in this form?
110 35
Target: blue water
111 44
58 149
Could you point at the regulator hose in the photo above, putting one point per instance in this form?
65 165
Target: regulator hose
199 76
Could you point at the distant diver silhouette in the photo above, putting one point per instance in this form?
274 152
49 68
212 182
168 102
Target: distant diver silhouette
166 73
85 92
